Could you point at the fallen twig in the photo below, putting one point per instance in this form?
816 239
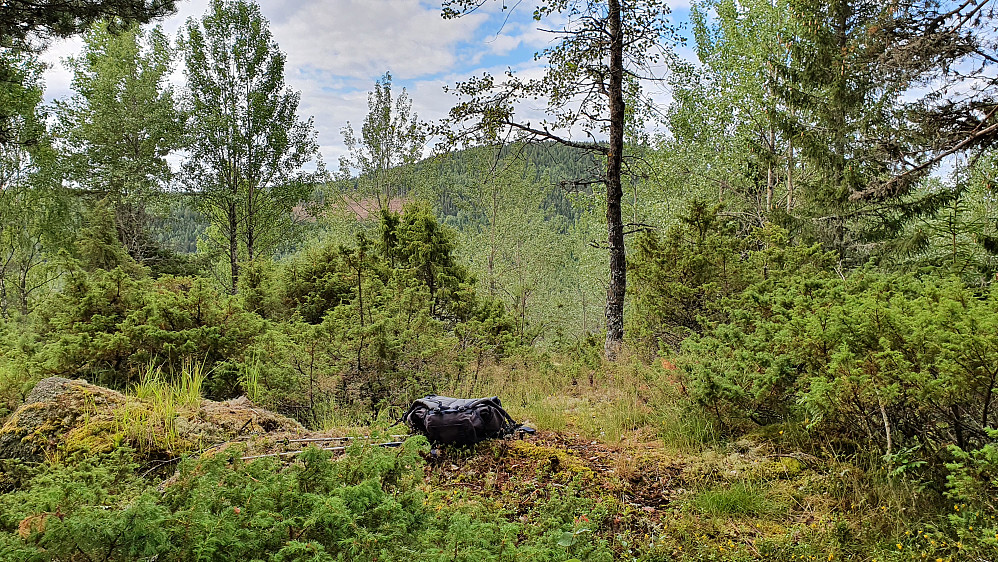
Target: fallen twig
322 439
338 449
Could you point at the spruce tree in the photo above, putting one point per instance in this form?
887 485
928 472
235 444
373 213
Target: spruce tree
384 155
855 85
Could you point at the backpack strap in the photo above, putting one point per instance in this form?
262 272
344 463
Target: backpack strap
427 402
510 425
506 415
430 402
405 415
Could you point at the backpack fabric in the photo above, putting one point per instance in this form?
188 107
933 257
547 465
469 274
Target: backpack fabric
458 421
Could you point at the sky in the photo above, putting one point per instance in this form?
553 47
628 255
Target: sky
337 49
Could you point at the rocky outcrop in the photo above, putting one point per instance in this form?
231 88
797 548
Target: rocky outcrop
62 418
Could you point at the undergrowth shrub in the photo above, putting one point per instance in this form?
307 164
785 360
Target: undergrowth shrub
337 332
895 368
16 379
375 324
382 349
681 280
369 504
900 366
96 509
972 487
107 326
315 281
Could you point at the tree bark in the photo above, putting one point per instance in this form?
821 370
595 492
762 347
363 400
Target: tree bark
771 175
790 177
617 287
250 220
233 235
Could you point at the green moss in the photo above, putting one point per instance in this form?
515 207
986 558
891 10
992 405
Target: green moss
95 437
551 458
780 468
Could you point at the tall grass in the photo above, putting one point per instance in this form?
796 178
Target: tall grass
609 402
249 376
189 384
152 423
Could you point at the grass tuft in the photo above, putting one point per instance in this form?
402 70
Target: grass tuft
153 424
740 498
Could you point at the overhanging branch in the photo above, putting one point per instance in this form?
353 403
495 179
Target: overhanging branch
548 135
896 180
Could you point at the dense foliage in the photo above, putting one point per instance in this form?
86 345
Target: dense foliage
369 505
811 248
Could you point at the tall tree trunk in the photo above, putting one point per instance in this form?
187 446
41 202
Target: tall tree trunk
233 246
614 190
360 307
771 175
770 183
790 176
250 223
4 297
840 103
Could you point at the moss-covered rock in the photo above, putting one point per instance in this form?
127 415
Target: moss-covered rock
62 418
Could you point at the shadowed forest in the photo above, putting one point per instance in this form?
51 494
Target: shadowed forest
745 297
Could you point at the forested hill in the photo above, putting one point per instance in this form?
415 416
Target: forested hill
556 169
551 161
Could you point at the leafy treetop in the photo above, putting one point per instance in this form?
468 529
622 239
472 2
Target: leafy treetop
21 20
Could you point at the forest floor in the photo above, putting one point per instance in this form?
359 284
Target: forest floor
651 491
747 500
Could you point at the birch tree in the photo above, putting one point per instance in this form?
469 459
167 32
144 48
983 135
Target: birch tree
385 152
247 148
26 26
121 124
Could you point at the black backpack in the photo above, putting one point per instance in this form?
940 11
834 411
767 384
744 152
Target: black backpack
459 421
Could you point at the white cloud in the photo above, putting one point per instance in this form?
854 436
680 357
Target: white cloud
363 38
514 35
